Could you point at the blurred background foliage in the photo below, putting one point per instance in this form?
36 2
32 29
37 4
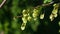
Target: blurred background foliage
10 22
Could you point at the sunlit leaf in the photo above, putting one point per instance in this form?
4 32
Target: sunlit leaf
45 1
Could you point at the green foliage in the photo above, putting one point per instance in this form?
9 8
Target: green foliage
0 26
47 1
1 1
14 23
28 17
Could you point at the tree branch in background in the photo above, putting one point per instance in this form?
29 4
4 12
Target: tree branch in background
2 3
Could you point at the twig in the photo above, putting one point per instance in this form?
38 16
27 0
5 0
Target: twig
18 16
48 4
2 3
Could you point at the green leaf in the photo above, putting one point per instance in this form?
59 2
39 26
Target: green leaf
47 1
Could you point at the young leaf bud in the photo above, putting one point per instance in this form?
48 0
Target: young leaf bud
42 16
24 20
55 15
23 26
55 11
29 18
